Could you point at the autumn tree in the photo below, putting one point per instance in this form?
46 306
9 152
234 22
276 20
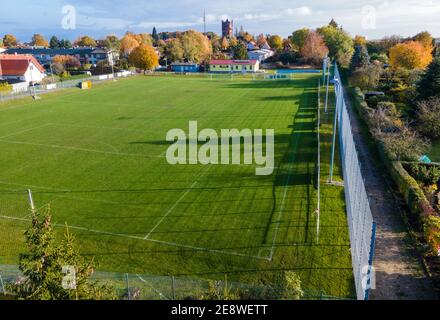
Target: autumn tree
225 44
299 38
410 55
112 42
128 44
144 57
10 41
174 50
261 40
39 41
275 42
360 41
85 41
196 46
425 38
314 49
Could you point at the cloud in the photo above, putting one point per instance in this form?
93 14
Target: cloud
301 11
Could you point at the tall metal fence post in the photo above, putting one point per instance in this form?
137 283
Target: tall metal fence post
3 285
173 287
128 286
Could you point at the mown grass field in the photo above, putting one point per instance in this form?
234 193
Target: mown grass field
97 159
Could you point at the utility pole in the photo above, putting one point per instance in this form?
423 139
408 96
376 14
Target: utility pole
339 102
204 22
328 84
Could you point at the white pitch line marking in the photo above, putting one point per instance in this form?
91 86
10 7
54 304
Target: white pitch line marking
176 203
142 239
23 131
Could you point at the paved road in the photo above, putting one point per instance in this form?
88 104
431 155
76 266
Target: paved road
399 273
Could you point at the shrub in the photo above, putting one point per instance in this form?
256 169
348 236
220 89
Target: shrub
428 117
432 233
5 87
428 175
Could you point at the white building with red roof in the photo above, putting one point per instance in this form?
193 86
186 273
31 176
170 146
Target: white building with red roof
21 69
234 66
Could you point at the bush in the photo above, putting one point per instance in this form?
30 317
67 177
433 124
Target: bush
428 117
389 108
366 78
5 87
426 174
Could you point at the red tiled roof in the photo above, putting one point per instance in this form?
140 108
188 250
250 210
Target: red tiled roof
233 62
17 64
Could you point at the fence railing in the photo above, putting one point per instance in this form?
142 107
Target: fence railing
74 83
151 287
360 219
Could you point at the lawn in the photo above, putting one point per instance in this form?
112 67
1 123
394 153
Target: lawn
96 158
434 152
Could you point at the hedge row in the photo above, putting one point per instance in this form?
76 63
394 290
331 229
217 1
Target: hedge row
416 200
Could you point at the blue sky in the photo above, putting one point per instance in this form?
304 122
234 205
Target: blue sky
373 18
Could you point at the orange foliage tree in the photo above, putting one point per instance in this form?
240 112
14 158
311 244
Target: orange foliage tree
144 57
410 55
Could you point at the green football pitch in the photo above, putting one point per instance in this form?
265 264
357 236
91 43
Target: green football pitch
97 159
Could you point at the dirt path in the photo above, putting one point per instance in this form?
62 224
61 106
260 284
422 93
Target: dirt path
399 273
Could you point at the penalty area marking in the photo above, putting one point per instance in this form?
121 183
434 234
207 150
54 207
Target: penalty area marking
177 202
171 244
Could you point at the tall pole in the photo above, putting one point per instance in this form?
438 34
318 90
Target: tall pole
338 103
328 84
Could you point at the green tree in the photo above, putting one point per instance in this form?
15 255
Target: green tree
333 24
428 117
339 43
155 35
240 51
66 44
360 59
292 286
47 265
429 85
299 38
54 43
10 41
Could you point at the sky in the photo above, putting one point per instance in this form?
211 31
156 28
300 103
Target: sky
97 18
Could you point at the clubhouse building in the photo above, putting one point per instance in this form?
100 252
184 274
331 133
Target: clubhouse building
234 66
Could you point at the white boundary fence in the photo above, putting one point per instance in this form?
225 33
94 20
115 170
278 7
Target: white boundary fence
361 224
42 89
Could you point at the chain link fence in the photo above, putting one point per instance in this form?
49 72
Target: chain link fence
360 219
151 287
36 90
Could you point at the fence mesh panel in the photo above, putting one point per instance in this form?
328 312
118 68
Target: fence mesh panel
360 219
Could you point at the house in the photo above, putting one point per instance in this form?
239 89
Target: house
20 70
234 66
260 55
85 55
185 67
